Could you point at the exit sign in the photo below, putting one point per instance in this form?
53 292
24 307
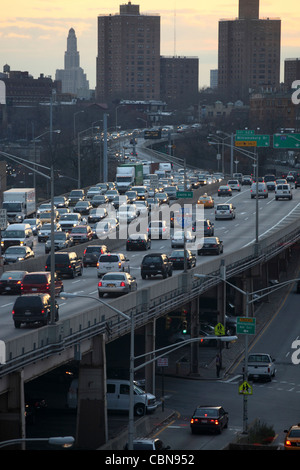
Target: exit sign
245 325
184 194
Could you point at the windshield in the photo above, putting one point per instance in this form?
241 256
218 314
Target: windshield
108 259
15 249
68 217
13 234
115 277
11 275
12 206
59 236
151 259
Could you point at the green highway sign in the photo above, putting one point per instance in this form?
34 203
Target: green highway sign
245 325
184 194
261 140
244 132
286 141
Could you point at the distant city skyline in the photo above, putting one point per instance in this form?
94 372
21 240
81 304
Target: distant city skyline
33 33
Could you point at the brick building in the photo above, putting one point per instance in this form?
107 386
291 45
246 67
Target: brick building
249 53
128 60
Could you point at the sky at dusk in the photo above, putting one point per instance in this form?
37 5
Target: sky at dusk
33 33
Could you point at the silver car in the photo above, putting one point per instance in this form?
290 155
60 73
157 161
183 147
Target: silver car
177 240
116 283
224 211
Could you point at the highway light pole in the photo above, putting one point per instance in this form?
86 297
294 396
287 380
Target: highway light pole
65 441
51 178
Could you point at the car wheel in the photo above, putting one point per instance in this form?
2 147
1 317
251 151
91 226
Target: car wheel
17 324
139 409
143 276
170 273
164 275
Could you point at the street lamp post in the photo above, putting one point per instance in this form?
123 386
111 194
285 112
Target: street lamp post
65 441
51 178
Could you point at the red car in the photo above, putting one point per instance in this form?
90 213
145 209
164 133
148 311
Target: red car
40 282
81 234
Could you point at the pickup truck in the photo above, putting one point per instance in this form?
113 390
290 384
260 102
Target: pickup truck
261 366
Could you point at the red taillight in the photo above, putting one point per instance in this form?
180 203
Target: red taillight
216 422
46 268
42 311
13 312
122 284
288 443
99 284
84 252
120 264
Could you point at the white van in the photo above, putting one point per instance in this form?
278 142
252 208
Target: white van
283 191
17 234
262 190
238 176
117 395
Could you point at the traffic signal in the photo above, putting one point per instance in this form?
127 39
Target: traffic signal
168 322
184 327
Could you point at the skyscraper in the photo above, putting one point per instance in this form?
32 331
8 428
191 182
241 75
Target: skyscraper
249 53
73 78
128 61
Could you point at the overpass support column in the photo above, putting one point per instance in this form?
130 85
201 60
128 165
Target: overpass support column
195 328
150 329
12 409
91 430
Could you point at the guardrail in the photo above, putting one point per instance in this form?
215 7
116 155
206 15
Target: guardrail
145 304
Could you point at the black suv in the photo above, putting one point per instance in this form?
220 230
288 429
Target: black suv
33 308
92 253
297 182
156 263
66 264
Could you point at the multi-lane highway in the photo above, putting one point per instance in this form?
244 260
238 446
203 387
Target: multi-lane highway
234 233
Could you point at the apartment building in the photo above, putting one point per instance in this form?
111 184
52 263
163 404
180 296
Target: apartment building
249 53
128 60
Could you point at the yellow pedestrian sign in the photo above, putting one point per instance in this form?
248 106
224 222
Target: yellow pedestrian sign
245 389
219 330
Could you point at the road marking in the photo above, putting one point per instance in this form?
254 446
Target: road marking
6 305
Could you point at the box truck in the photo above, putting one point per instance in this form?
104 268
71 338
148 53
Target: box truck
19 204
